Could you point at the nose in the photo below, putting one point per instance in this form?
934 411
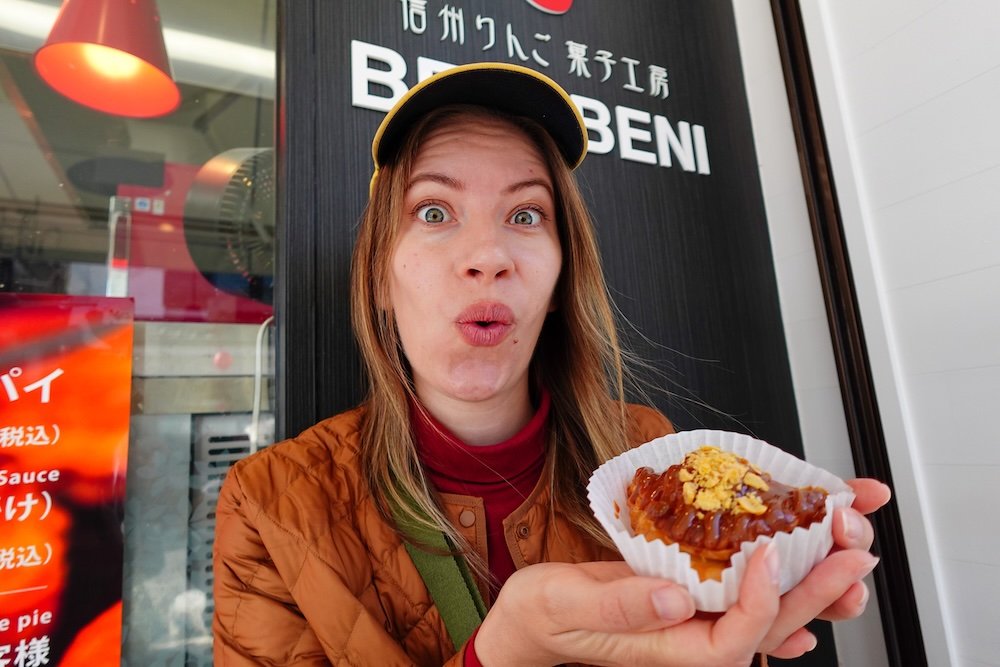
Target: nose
486 255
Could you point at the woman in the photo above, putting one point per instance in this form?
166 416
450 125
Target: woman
484 323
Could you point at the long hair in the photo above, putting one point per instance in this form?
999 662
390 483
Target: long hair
577 358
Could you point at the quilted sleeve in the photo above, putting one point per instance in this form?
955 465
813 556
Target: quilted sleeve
294 583
256 620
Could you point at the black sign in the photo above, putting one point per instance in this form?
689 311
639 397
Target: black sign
671 177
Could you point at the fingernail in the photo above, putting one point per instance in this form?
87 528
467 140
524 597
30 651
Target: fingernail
670 604
869 566
864 598
815 642
853 528
773 562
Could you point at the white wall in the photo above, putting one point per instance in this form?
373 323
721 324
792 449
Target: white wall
910 96
814 375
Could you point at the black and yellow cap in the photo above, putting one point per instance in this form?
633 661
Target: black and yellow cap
512 89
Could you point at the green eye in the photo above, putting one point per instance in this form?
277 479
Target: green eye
432 214
526 217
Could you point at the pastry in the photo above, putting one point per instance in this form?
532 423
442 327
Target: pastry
712 502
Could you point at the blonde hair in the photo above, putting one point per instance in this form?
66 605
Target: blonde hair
577 358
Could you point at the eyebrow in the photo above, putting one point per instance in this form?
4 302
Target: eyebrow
436 177
530 183
455 184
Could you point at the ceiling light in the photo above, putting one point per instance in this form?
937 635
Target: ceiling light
109 55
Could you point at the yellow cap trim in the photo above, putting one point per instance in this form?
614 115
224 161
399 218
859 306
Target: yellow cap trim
401 102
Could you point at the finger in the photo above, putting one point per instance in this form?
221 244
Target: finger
851 530
850 605
747 621
628 604
799 643
606 570
822 587
870 494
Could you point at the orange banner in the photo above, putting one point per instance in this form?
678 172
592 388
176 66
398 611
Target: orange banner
65 374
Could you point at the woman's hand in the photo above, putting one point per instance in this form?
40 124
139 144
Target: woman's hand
834 589
602 614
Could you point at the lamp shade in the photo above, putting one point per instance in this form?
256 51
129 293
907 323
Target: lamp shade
109 55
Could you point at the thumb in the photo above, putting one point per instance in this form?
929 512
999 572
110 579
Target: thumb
630 604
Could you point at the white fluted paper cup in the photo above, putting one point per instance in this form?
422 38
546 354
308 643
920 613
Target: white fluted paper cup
799 550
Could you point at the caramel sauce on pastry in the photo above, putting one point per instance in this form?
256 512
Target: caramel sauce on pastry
712 502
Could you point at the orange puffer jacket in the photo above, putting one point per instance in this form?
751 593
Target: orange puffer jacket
307 572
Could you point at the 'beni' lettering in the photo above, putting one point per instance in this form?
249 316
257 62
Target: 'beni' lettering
639 135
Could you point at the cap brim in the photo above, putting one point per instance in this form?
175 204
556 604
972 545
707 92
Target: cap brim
512 89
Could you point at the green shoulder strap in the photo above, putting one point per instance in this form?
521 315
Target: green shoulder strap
447 577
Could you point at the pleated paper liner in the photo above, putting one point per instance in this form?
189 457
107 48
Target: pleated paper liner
799 550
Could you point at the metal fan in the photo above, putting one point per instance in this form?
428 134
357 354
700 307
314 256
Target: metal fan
229 222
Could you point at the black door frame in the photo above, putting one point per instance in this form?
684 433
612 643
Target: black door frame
893 583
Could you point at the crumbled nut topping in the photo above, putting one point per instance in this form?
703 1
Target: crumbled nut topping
716 480
690 491
750 504
755 480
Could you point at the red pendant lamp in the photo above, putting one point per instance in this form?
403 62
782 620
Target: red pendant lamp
109 55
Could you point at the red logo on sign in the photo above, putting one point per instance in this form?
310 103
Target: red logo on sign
552 6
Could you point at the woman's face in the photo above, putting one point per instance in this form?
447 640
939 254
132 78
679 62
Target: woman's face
476 261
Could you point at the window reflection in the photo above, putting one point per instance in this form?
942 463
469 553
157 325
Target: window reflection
176 212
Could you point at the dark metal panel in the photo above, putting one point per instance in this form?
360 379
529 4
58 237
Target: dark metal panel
687 255
295 247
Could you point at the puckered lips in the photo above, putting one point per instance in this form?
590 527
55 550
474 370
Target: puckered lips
485 324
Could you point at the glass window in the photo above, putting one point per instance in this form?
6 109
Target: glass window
175 211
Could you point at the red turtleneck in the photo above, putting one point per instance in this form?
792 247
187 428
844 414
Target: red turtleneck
503 475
